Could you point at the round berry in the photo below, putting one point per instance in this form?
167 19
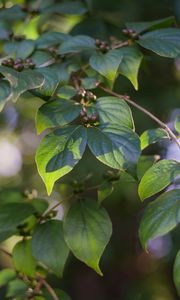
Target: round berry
18 67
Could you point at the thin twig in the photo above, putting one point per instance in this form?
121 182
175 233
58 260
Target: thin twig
139 107
120 44
54 207
49 288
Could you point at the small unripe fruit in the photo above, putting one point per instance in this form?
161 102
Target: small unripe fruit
93 118
4 63
85 119
97 42
18 67
31 65
18 61
82 113
10 62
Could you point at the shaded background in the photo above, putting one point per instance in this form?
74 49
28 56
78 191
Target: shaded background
129 273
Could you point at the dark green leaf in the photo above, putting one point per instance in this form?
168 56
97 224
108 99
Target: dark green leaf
87 229
49 39
40 205
130 63
106 64
104 191
152 25
66 92
176 272
112 110
164 42
5 93
53 76
158 177
21 81
115 146
177 124
152 136
59 152
6 275
49 246
160 216
77 44
67 8
42 58
17 288
23 259
10 196
11 14
89 83
25 48
10 219
58 112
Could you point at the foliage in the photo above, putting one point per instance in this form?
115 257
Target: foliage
74 76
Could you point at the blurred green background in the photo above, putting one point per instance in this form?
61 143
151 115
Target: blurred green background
129 273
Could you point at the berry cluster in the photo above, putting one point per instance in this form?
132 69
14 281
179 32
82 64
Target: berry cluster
87 95
130 33
88 120
19 64
102 46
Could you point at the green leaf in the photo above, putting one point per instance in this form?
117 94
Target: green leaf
21 49
57 112
77 44
66 92
106 64
87 229
5 93
10 219
160 217
59 152
40 205
12 14
67 8
21 81
130 64
144 163
104 191
53 76
49 247
9 196
49 39
176 272
177 124
41 58
89 83
25 48
6 275
115 146
158 177
140 27
164 42
23 259
112 110
17 288
152 136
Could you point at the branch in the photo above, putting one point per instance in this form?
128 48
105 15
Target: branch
49 288
145 111
120 44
